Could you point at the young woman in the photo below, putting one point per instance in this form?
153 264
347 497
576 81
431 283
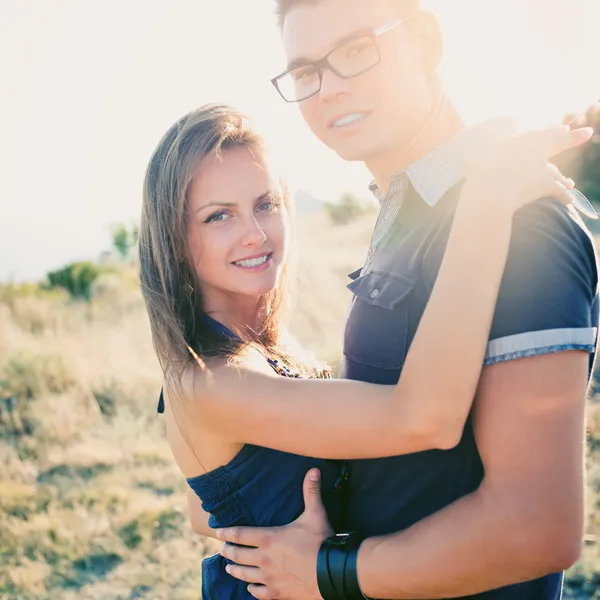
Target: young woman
247 416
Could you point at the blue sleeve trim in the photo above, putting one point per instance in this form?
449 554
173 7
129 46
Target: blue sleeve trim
534 343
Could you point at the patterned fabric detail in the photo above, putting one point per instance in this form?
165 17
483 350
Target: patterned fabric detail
434 174
535 343
281 368
391 204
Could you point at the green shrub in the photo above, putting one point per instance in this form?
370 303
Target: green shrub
151 526
76 278
124 239
346 210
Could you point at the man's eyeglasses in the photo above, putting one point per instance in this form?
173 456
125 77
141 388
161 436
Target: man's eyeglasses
350 59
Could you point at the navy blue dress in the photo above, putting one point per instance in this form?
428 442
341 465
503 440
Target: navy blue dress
258 487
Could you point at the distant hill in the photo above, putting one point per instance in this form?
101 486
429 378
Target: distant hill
306 203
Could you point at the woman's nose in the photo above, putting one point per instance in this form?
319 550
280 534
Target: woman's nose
254 235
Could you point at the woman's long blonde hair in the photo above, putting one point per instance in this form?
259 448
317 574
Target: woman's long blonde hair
169 283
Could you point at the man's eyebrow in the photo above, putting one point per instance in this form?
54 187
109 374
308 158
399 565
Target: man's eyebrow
303 61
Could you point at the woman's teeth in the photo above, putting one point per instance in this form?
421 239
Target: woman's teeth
253 262
349 120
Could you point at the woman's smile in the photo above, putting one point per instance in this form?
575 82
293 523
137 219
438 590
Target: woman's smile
258 262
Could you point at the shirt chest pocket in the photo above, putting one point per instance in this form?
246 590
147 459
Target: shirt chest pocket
376 331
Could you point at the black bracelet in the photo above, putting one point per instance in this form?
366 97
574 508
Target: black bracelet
323 577
337 575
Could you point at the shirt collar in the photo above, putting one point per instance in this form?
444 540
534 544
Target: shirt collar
434 174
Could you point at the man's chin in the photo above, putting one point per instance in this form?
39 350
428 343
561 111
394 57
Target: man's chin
352 153
355 150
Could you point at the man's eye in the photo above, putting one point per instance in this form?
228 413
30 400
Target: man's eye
357 49
300 74
216 217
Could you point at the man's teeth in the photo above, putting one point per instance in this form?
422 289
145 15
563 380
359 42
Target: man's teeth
253 262
349 120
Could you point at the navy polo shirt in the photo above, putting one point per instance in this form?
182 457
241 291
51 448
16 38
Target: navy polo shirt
547 303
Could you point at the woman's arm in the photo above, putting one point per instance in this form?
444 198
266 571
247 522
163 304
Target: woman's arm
350 419
198 518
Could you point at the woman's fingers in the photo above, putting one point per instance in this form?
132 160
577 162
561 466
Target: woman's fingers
517 167
554 140
519 152
558 190
556 185
555 172
542 181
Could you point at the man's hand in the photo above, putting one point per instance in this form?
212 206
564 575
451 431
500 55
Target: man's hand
281 565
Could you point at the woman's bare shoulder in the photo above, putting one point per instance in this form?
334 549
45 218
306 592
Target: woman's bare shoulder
203 382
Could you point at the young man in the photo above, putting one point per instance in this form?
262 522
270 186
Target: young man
503 510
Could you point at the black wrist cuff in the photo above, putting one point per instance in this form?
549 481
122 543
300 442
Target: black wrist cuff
337 574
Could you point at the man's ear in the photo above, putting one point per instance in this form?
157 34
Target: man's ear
431 41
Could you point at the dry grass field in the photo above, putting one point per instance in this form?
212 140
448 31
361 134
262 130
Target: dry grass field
91 504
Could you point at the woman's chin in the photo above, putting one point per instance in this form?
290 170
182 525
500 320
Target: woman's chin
258 290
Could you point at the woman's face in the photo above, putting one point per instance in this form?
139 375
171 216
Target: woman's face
237 228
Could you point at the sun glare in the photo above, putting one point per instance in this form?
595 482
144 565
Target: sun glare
90 88
533 59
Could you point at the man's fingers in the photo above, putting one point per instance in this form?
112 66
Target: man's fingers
241 555
261 592
244 536
247 574
312 489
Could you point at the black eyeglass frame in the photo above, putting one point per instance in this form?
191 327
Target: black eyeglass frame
323 63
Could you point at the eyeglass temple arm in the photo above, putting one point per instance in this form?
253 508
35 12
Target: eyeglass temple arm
385 28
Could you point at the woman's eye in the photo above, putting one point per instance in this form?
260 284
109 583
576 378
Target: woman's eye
265 206
270 205
217 217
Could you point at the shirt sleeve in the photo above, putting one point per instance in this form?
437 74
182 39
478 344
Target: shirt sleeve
547 300
548 296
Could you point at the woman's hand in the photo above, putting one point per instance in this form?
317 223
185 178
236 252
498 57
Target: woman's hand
516 170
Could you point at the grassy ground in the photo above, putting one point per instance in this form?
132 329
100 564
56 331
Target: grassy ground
91 505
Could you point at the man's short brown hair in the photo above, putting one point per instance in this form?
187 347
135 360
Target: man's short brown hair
282 7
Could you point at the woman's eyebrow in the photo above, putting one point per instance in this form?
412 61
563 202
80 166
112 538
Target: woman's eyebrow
268 194
219 204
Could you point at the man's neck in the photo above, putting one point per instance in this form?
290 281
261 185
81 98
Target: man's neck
443 123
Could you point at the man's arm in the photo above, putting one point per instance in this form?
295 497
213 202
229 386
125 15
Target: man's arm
526 518
524 521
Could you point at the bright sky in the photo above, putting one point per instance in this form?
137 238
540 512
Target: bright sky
89 87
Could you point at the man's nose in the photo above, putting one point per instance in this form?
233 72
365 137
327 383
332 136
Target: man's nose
254 234
332 86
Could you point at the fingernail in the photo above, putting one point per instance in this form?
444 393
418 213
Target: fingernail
218 533
314 475
228 569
